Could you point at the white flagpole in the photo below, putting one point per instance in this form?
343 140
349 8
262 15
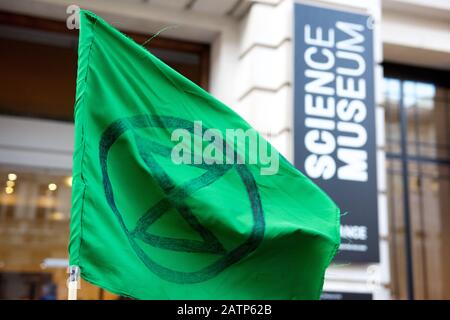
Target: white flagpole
73 282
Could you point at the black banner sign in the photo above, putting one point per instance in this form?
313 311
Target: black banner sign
335 119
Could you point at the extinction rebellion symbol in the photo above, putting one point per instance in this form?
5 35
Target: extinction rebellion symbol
175 196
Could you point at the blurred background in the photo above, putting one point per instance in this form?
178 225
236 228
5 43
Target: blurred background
241 51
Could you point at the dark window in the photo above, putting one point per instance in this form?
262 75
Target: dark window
417 113
38 62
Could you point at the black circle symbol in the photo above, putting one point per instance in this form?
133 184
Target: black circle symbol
174 199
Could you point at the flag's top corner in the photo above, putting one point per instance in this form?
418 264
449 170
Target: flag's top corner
93 26
88 20
90 16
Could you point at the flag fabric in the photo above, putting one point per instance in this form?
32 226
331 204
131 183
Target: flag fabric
158 216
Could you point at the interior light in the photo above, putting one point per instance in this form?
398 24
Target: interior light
52 187
57 216
9 190
10 183
68 181
12 177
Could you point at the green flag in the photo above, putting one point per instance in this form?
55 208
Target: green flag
175 196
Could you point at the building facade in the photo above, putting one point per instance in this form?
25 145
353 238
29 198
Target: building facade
245 53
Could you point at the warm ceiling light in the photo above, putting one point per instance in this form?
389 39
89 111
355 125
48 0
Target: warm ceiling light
10 183
9 190
12 177
52 187
68 181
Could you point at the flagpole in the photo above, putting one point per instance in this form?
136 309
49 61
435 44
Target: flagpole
73 282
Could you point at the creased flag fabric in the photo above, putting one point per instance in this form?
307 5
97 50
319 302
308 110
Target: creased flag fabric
146 226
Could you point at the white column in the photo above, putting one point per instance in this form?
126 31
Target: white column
264 81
